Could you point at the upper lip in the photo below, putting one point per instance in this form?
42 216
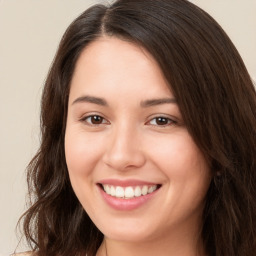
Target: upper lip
126 183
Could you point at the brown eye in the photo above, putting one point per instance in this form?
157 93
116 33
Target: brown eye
161 121
94 120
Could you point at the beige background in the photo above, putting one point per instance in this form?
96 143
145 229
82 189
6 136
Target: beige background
29 34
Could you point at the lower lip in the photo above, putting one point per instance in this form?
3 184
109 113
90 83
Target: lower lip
126 204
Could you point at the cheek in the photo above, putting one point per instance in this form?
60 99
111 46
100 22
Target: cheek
176 152
82 152
183 165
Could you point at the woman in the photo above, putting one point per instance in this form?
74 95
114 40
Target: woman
148 138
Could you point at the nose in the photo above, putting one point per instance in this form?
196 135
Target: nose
124 150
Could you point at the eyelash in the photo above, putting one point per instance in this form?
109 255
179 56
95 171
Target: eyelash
103 121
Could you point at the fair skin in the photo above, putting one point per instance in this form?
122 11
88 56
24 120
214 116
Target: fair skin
125 131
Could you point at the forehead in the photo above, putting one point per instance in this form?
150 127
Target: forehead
113 65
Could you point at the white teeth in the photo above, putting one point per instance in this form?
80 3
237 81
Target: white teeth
144 190
128 192
152 189
107 189
137 191
119 192
112 191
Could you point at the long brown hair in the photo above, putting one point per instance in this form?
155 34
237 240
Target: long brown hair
216 98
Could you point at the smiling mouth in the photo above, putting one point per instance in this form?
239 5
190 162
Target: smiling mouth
128 192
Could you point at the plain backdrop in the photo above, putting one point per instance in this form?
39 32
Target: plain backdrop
30 31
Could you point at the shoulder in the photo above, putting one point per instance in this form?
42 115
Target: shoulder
24 254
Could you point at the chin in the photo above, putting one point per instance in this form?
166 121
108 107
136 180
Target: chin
128 231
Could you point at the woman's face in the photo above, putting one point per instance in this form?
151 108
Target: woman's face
132 163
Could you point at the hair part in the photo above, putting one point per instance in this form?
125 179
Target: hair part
217 100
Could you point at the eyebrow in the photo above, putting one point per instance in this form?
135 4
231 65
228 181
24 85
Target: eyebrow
155 102
91 99
103 102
